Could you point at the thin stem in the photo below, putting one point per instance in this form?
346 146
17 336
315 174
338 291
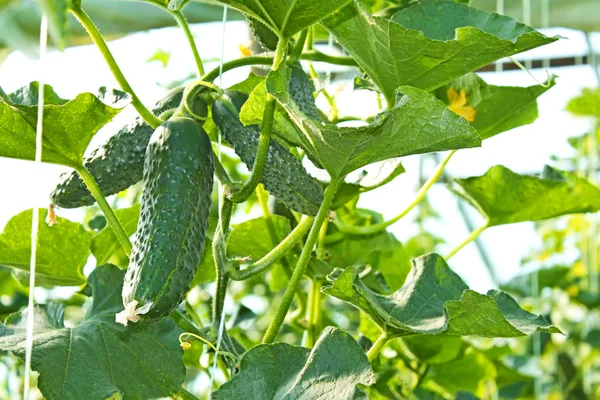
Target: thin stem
183 24
113 222
220 171
300 269
468 240
186 325
276 254
261 155
297 51
185 395
99 41
377 346
314 313
268 60
376 228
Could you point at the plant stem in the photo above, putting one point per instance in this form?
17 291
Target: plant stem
220 171
268 60
314 313
99 41
185 395
183 24
261 155
300 269
276 254
376 228
297 51
468 240
378 346
182 321
113 222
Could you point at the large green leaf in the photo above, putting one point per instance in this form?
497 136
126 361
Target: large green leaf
505 197
105 243
62 250
287 17
556 276
434 300
99 357
68 128
419 123
498 108
586 104
331 370
410 50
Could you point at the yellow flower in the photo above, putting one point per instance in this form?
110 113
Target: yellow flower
245 50
458 104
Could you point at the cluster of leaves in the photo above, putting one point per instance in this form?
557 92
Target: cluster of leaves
375 317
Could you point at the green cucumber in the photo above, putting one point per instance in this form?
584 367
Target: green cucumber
175 209
284 176
301 89
116 164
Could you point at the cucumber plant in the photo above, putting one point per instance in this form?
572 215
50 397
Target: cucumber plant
316 298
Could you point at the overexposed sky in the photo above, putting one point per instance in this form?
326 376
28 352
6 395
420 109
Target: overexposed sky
525 149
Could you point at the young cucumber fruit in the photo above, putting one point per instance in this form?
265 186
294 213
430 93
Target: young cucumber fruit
175 205
283 176
116 164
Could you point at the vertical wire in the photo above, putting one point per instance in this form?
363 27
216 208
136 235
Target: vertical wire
35 218
220 192
527 20
499 10
545 23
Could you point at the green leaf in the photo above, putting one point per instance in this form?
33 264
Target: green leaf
428 55
253 239
331 370
382 251
499 108
286 17
99 357
552 277
505 197
435 349
471 373
62 250
28 95
105 244
587 104
56 11
419 123
68 128
434 300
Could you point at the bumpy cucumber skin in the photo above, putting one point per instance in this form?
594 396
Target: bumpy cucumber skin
175 209
301 90
115 165
284 176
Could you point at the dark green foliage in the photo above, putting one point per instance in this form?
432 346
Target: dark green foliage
174 215
115 165
284 176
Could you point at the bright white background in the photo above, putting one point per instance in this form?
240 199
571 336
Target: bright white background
525 149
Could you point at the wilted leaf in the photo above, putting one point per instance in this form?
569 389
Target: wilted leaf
99 357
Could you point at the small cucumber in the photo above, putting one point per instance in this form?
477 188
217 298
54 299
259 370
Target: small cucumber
116 164
175 209
284 176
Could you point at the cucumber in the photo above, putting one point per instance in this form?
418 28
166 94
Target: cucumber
301 89
284 176
116 164
175 209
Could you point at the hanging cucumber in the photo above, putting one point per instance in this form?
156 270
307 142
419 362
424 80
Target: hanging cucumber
301 90
284 176
175 205
115 165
